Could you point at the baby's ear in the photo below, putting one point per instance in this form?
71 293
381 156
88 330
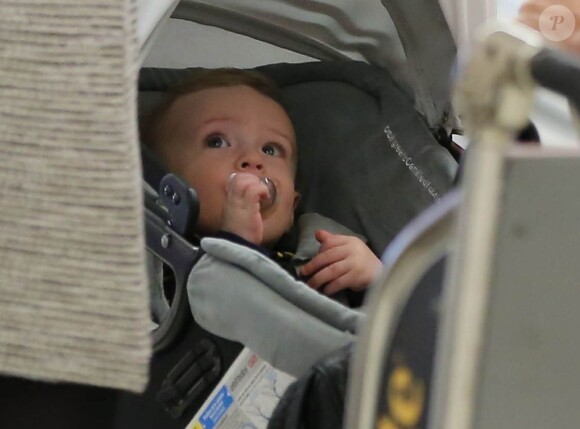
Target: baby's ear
296 201
297 197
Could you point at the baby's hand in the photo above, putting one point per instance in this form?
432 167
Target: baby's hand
241 215
343 262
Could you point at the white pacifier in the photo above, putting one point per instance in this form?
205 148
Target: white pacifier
266 203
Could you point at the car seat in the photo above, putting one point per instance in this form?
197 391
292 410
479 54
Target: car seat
367 159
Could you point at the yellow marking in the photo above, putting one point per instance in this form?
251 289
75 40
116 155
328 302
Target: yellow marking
405 397
386 423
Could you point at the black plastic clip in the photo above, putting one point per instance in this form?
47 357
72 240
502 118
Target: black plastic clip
181 203
197 371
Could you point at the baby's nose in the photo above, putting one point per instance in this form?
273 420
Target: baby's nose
251 162
248 165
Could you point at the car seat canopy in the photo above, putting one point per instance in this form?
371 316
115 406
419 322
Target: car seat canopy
410 39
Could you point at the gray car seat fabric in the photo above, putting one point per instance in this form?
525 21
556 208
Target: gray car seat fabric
366 157
240 294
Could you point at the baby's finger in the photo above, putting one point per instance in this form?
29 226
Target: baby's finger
328 274
255 191
337 285
237 183
324 236
246 186
323 259
328 240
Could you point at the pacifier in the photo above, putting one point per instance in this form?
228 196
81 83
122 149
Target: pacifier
266 203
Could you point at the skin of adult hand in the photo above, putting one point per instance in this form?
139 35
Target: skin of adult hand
241 214
530 13
342 262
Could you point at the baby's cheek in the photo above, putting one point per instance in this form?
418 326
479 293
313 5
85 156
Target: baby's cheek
210 217
205 227
288 214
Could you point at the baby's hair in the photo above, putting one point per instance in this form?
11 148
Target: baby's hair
152 123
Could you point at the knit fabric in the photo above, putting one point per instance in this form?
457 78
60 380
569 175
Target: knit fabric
73 296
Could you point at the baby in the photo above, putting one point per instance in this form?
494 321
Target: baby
224 131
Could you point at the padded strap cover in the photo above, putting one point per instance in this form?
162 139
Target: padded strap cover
239 294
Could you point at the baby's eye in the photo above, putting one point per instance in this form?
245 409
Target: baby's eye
272 149
216 142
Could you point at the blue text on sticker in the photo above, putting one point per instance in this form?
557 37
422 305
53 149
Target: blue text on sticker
216 408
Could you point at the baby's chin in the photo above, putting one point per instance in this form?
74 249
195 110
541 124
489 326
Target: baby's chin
269 245
271 239
204 231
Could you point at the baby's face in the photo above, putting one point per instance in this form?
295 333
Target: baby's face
215 132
